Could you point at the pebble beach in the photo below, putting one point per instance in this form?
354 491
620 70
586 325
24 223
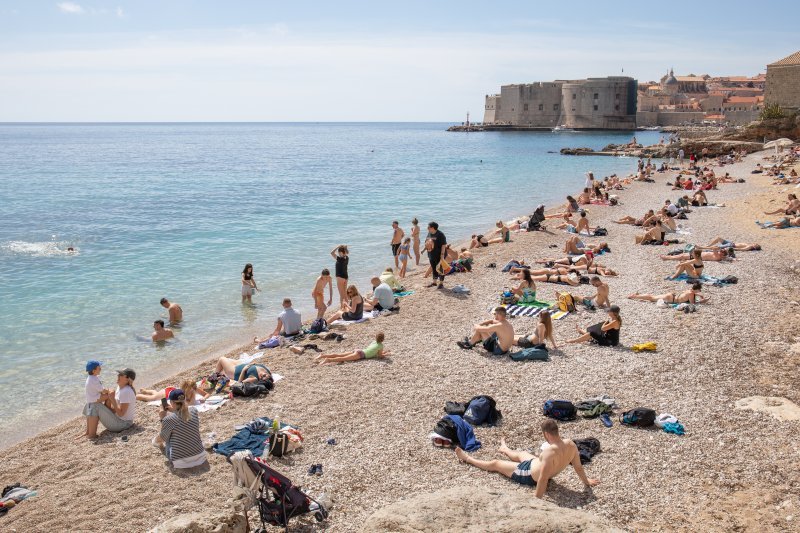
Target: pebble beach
734 469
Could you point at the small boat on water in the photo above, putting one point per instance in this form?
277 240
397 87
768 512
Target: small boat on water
563 129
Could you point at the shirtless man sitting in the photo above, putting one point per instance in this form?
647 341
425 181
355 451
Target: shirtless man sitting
497 335
600 298
527 469
318 294
175 311
161 333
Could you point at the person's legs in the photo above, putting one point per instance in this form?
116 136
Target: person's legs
495 465
227 366
341 358
341 286
479 334
514 455
150 395
111 421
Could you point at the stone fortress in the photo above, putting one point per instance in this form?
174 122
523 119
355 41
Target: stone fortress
593 103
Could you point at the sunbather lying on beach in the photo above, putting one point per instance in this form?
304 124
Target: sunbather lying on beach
578 269
572 279
568 221
242 372
189 387
373 351
478 241
497 335
585 259
636 221
692 268
783 223
691 296
719 242
715 254
574 245
603 333
542 333
527 469
654 234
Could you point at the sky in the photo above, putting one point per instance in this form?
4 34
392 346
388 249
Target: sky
248 60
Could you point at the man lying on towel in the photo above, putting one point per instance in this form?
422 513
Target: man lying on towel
497 335
527 469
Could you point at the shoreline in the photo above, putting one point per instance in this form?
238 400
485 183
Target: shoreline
427 364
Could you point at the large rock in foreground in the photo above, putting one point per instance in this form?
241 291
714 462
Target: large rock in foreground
478 510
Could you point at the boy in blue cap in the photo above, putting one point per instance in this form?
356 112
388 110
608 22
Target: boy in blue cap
95 395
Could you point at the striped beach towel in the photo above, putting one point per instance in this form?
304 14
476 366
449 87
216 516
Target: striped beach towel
532 310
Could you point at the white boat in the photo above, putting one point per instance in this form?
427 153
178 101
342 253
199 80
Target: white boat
563 128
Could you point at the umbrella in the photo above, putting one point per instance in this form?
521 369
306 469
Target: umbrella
779 143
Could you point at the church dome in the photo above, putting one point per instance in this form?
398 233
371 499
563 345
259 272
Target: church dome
671 79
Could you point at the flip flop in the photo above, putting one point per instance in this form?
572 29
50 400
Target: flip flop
606 420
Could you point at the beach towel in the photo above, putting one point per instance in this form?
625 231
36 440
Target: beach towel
558 315
466 435
704 279
245 358
531 310
342 322
250 437
403 293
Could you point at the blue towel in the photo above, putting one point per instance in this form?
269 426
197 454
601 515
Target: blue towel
674 427
705 280
245 439
466 437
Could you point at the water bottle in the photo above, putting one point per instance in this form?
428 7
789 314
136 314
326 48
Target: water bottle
275 426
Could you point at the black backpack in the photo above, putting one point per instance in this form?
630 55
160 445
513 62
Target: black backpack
447 429
600 232
559 409
318 326
640 417
278 444
455 408
248 389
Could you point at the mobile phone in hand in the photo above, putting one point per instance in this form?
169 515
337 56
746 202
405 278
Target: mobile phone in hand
164 403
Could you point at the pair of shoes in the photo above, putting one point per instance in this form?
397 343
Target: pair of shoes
312 347
465 344
491 265
440 286
431 284
315 470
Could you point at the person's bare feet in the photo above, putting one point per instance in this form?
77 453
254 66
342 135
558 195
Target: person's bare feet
631 296
461 454
503 448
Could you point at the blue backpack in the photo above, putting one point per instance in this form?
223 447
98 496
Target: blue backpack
318 326
560 409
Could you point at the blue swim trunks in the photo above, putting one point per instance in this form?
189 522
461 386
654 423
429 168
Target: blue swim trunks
522 474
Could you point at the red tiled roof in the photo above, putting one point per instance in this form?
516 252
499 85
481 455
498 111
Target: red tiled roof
742 100
793 59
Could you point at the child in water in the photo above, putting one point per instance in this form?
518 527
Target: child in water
403 254
373 351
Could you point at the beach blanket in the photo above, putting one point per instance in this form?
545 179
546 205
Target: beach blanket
403 293
342 322
704 279
246 358
212 403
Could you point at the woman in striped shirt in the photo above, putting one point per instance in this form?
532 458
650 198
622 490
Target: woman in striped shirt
180 438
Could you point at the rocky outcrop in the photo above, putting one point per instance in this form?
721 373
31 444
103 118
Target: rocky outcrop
577 151
781 408
212 522
476 510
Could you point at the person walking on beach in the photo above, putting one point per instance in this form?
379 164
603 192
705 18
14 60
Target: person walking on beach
249 286
175 311
397 240
318 294
403 255
415 239
527 469
161 333
341 255
435 246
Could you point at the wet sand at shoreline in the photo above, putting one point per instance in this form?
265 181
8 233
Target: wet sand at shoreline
732 470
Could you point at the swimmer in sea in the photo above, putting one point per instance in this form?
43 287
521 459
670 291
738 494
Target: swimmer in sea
175 311
161 333
318 294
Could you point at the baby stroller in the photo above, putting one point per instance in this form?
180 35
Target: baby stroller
279 500
535 222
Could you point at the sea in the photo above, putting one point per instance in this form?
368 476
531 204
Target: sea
177 209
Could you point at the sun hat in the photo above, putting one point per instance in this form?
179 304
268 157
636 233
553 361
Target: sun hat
91 365
176 395
128 373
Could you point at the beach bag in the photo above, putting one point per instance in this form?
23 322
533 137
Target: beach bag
566 302
249 389
559 409
535 353
455 408
600 232
729 280
443 268
482 410
507 298
318 326
640 417
587 448
278 444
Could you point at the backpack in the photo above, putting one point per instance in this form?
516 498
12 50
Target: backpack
278 444
587 448
318 326
248 389
566 302
446 428
600 232
482 410
559 409
455 408
641 417
535 353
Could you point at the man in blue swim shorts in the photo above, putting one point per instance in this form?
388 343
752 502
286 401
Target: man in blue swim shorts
527 469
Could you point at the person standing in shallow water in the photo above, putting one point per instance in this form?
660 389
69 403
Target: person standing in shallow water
248 283
436 249
415 239
342 257
175 311
397 240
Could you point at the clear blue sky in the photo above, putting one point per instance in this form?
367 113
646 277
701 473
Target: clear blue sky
181 60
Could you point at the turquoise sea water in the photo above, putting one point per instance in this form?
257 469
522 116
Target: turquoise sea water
176 210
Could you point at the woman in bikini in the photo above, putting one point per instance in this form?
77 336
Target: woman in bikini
248 283
525 292
693 268
691 296
341 255
503 232
715 254
194 395
478 241
792 207
542 333
415 239
403 253
604 333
